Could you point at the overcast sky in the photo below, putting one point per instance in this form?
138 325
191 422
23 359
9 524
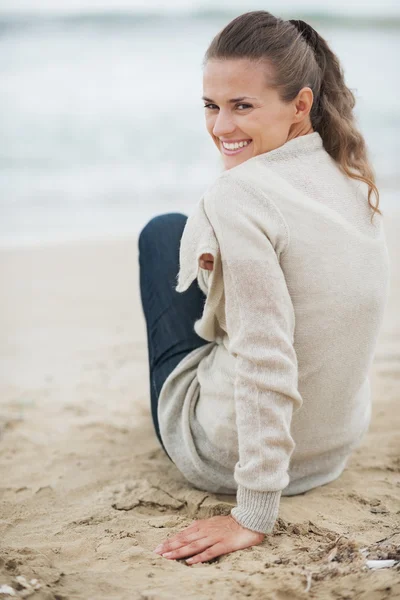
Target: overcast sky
369 7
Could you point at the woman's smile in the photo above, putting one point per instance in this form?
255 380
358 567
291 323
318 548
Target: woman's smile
231 147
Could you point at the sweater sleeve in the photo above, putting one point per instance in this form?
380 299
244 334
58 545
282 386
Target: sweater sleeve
252 236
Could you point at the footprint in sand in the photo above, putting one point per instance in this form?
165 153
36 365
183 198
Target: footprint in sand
143 495
151 499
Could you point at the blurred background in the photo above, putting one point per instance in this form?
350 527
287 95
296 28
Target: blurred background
101 117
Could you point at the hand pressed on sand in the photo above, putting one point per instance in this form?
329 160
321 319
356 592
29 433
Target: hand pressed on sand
206 261
206 539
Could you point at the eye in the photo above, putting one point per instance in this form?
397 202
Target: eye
213 106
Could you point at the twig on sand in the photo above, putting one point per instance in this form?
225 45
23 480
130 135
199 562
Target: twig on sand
309 578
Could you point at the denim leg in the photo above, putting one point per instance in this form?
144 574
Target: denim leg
169 315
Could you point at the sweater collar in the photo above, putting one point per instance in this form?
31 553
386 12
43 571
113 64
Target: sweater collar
298 145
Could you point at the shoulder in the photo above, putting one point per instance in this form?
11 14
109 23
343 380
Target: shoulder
252 183
246 193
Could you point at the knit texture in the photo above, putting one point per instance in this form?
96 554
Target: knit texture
277 400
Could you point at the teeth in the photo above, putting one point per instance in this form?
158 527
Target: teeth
234 146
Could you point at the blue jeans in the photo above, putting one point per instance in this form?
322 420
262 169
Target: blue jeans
169 315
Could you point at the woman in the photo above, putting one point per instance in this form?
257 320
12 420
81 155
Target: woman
259 356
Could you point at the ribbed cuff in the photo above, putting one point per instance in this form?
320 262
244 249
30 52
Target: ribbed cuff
257 511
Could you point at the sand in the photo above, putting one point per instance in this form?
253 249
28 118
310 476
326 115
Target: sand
86 492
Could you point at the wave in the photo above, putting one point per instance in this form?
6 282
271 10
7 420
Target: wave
130 19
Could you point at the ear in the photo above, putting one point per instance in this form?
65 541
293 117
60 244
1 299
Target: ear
303 103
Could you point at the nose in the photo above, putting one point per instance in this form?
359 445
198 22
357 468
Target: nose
223 124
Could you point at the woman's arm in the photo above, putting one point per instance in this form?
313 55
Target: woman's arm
252 237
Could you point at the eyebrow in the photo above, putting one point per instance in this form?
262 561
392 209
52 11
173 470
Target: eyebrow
232 100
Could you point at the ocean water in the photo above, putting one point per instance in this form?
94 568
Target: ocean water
102 123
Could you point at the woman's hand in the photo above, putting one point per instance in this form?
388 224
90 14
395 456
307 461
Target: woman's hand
208 538
206 261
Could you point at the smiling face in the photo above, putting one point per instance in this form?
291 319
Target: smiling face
244 116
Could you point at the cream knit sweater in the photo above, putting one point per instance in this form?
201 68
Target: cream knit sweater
280 396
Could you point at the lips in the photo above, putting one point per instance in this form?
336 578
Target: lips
237 150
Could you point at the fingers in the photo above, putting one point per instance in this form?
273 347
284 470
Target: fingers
211 552
179 540
189 549
206 265
206 261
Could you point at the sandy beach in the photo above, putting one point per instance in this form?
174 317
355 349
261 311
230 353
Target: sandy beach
86 493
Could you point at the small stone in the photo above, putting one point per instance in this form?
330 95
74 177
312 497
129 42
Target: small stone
8 590
379 510
22 581
296 530
380 564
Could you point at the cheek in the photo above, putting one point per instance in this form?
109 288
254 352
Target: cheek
253 126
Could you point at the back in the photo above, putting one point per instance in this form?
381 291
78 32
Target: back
280 397
336 268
